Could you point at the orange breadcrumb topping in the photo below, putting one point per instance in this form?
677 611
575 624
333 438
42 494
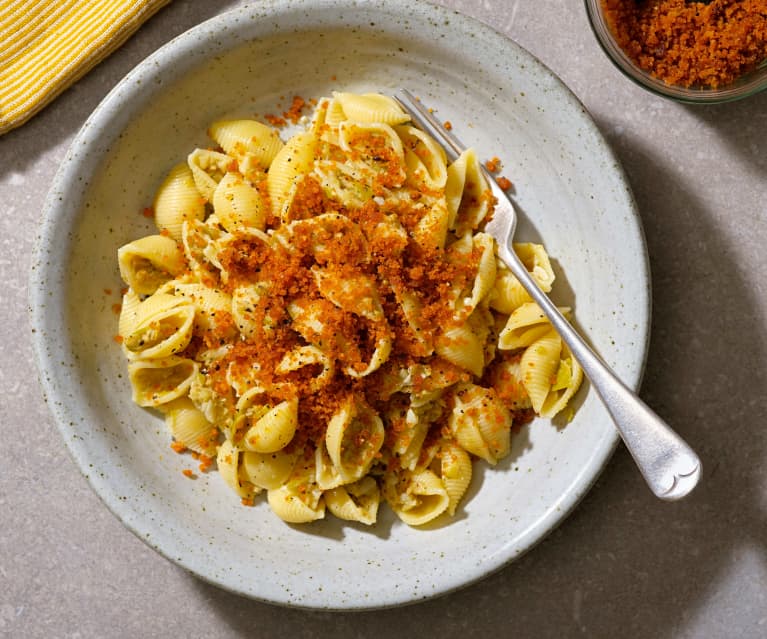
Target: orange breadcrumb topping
178 447
296 107
275 120
706 44
372 255
493 165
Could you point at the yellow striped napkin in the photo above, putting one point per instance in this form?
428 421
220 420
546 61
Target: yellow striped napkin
47 45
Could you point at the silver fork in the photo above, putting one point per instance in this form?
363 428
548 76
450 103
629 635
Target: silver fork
670 467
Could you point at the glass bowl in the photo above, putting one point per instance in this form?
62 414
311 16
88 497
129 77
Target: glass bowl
746 85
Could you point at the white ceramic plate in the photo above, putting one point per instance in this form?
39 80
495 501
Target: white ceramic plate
500 100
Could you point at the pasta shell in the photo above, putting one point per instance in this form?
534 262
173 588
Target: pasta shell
431 230
508 294
358 501
267 428
312 356
288 505
229 462
268 470
424 158
356 293
162 327
328 475
480 423
568 380
461 346
237 204
354 436
247 141
190 427
425 498
299 500
150 261
159 381
506 379
380 354
213 306
128 308
177 200
539 365
371 107
525 326
374 152
208 168
202 247
467 192
455 470
293 160
334 113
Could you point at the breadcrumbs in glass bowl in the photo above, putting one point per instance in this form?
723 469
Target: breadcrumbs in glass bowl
698 52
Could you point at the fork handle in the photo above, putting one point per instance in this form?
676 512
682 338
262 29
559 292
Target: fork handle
670 467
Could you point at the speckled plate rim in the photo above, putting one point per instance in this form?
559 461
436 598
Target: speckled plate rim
49 266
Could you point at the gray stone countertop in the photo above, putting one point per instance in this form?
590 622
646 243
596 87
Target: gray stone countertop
622 565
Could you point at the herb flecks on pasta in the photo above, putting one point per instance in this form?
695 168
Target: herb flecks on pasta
326 319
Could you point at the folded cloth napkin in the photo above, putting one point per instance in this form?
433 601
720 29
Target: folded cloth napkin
47 45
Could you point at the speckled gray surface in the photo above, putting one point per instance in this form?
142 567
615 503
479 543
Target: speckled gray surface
621 563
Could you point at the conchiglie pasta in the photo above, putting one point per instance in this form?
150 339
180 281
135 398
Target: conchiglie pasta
202 248
356 292
431 230
190 427
455 471
268 470
505 377
418 498
329 320
354 436
508 294
480 423
130 304
375 153
424 158
253 144
208 168
229 462
147 263
288 504
299 500
550 374
159 381
371 107
213 307
177 200
162 326
312 358
467 192
358 501
293 160
265 427
524 326
461 346
566 383
237 203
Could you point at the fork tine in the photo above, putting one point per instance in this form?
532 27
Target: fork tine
504 221
428 123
